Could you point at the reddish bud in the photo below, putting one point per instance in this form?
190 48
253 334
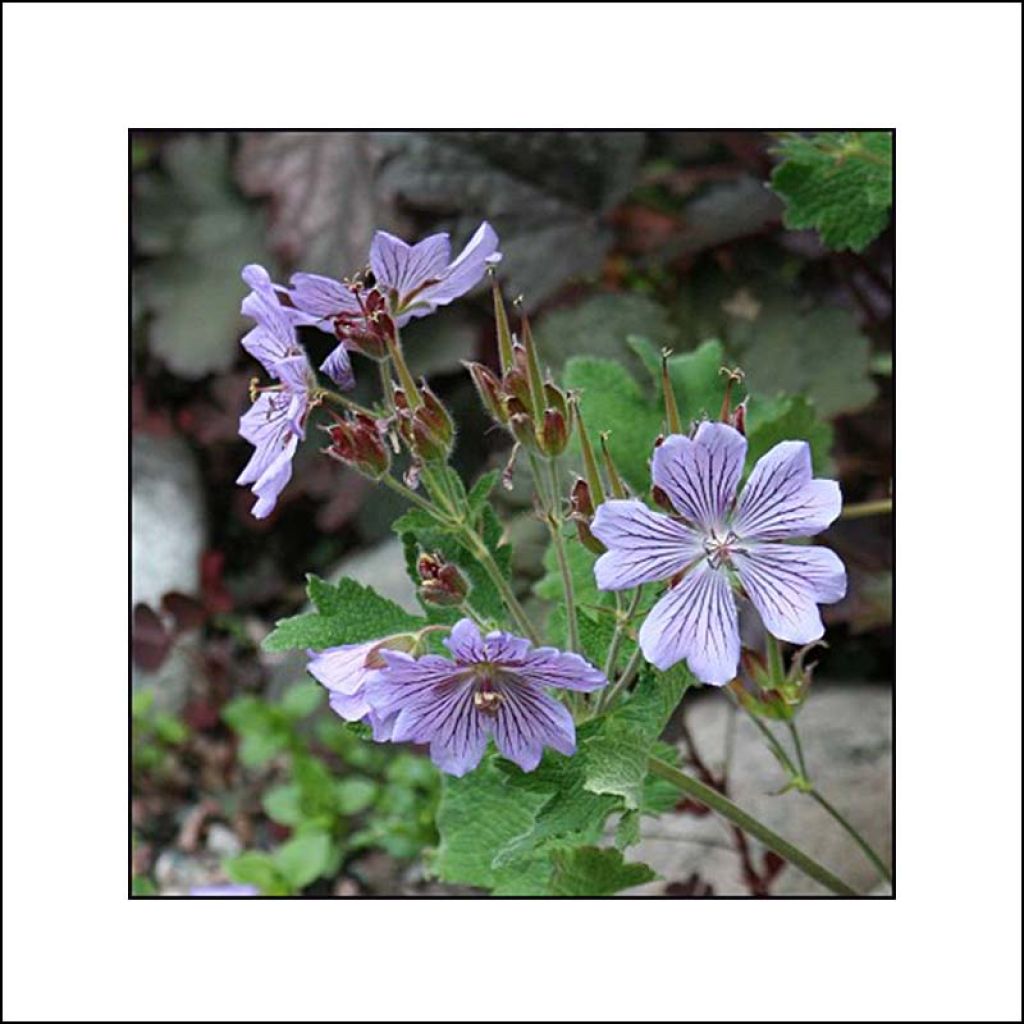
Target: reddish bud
554 433
356 441
490 391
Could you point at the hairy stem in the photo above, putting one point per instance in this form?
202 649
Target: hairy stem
484 557
551 516
723 806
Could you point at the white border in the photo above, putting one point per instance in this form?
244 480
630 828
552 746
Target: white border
77 75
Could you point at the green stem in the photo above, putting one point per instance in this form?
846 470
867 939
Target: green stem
611 693
484 557
346 403
551 517
411 496
775 665
621 622
722 805
798 746
385 384
867 508
854 835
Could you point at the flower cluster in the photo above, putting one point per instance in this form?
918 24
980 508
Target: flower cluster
493 685
715 543
408 281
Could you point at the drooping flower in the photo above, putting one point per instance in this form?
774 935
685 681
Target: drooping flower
493 685
345 671
276 421
416 279
717 542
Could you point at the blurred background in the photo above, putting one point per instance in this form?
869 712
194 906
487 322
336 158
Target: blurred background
670 236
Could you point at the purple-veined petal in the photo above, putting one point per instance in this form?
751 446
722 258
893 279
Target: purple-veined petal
527 721
695 620
465 642
265 424
642 545
338 367
322 299
786 583
782 500
450 722
274 479
548 666
466 269
406 268
273 338
700 476
343 670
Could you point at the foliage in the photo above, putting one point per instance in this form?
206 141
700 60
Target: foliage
839 183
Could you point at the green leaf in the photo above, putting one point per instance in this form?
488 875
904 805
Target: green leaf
611 400
788 418
304 858
480 492
589 871
302 699
355 613
615 757
600 326
839 183
198 232
355 794
478 814
257 748
170 729
256 868
627 832
282 804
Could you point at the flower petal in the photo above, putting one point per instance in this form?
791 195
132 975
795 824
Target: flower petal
405 268
465 642
548 666
782 500
700 476
642 545
528 720
786 583
274 479
466 270
322 298
344 672
695 620
273 338
338 367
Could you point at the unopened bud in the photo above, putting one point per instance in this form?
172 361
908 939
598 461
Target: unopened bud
515 385
580 500
489 389
436 415
356 441
739 417
554 434
441 582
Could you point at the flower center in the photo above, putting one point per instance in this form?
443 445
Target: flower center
486 699
719 547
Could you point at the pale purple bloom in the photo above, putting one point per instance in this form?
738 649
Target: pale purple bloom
416 279
275 422
345 671
717 541
321 301
226 889
494 685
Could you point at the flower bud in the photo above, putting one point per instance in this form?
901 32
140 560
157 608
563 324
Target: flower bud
441 582
490 391
582 513
356 441
554 433
515 385
436 415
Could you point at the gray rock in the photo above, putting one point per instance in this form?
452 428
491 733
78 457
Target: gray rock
383 568
220 840
177 873
168 521
847 738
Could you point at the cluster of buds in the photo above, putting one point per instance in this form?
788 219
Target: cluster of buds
370 331
534 410
424 423
441 583
766 696
356 441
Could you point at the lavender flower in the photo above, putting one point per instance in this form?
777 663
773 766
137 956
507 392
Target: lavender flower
717 541
418 278
345 672
227 889
275 423
493 685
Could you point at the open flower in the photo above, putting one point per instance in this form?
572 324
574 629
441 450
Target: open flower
717 542
416 279
276 421
345 672
493 685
